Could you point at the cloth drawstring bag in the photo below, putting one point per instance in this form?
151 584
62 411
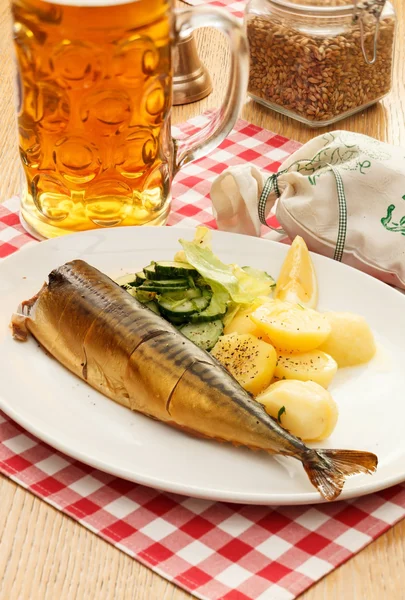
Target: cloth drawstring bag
343 192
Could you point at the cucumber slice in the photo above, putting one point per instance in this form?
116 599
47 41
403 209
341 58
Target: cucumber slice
142 296
174 269
259 275
181 295
153 307
204 335
140 278
126 280
177 321
130 289
186 307
165 285
150 272
207 315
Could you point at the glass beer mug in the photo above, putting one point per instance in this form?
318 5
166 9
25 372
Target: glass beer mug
95 94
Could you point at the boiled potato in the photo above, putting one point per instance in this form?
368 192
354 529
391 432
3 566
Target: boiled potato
305 408
242 323
249 360
351 341
291 327
311 366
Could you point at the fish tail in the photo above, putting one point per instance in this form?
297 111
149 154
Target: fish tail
328 469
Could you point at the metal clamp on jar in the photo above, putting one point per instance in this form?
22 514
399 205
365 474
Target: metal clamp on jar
319 61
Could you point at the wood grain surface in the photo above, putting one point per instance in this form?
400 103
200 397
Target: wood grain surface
45 555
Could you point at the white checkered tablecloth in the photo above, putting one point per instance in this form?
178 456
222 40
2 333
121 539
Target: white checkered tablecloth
216 551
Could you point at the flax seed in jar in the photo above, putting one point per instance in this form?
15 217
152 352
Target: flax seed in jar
320 61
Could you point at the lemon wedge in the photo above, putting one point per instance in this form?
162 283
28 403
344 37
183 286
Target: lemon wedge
297 281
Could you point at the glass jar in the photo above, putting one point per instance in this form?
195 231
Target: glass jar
319 61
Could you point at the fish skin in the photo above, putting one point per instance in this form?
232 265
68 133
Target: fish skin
136 358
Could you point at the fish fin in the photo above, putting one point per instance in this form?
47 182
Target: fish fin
18 320
328 469
26 307
18 327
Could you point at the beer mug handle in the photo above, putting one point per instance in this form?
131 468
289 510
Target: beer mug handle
223 120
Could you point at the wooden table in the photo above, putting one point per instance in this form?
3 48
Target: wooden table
46 555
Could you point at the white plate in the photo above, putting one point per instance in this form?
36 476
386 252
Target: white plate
48 401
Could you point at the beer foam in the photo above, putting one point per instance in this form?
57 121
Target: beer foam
91 3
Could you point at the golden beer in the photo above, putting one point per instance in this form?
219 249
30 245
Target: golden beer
95 94
94 114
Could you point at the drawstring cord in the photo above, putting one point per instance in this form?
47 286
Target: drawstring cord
271 185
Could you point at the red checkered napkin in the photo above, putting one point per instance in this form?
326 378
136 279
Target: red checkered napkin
235 7
246 143
12 234
214 550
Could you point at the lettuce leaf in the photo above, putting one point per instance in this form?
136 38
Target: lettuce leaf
226 281
217 274
231 313
219 302
202 238
253 282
